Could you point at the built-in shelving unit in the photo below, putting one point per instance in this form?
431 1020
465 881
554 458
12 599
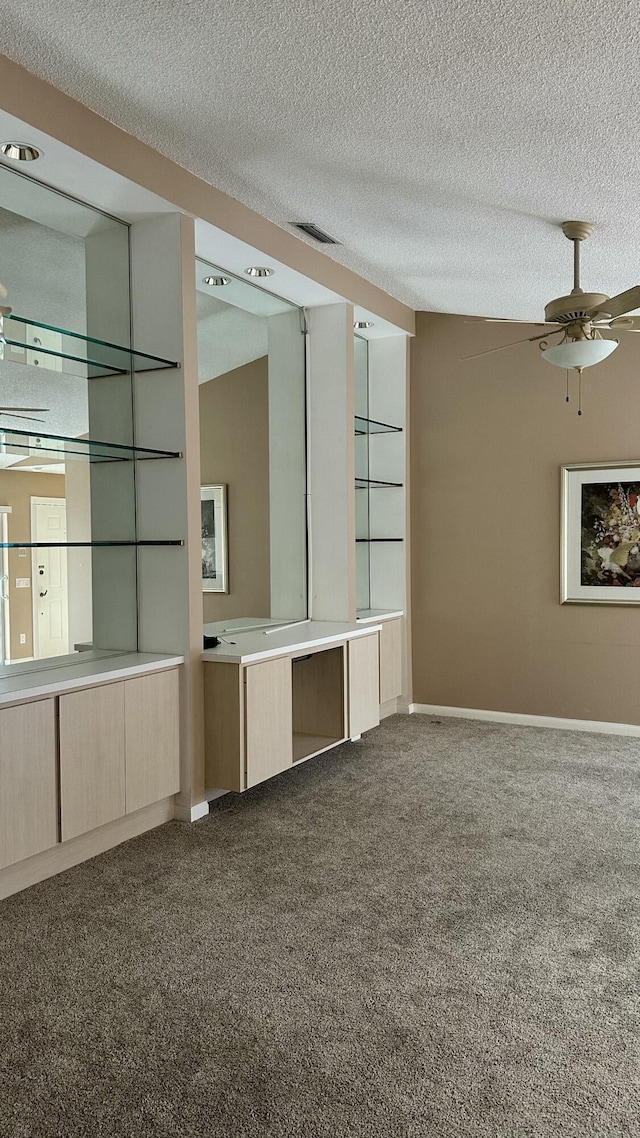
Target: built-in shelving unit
373 427
379 479
48 446
373 483
27 341
82 544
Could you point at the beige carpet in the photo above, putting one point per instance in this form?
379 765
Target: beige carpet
428 934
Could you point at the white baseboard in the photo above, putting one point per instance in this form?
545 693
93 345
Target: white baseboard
211 793
191 813
557 724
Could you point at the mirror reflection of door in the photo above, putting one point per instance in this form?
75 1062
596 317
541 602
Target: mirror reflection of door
49 575
5 651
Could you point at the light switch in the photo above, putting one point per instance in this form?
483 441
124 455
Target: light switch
23 582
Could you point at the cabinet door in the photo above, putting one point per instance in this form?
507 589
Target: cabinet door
364 684
224 726
91 758
28 790
152 738
390 660
268 719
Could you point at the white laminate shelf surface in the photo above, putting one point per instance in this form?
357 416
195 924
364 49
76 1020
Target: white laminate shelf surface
249 647
24 686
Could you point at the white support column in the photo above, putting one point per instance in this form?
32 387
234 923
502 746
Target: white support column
331 463
168 490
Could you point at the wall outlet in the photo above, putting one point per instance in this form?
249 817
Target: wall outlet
23 582
23 638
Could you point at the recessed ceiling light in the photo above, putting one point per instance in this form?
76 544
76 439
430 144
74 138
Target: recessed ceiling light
217 281
259 271
20 151
363 324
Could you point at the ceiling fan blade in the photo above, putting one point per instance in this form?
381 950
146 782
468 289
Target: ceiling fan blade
29 418
618 305
513 344
505 320
626 324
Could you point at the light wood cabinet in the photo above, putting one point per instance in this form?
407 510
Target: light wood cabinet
28 784
364 684
119 750
92 762
268 737
390 660
262 718
152 739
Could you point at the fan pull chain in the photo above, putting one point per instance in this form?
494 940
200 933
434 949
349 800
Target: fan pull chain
579 371
567 398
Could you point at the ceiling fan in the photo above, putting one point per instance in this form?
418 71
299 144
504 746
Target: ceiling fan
580 316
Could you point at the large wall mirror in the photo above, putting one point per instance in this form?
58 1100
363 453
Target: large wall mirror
66 269
253 453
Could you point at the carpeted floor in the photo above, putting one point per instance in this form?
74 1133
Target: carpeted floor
428 934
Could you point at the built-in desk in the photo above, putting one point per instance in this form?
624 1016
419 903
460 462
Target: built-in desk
276 697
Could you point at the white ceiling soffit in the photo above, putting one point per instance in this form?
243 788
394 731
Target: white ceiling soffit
440 141
75 174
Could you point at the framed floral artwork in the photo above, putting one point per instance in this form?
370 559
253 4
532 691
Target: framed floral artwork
600 554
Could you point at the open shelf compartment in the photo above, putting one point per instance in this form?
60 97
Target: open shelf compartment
318 702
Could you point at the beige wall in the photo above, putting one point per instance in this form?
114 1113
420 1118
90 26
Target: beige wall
234 449
487 440
16 490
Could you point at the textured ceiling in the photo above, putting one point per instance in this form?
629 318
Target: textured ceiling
440 141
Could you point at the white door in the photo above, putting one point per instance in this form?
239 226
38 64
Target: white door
49 580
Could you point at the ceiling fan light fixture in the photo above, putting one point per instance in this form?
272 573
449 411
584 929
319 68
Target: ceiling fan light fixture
579 353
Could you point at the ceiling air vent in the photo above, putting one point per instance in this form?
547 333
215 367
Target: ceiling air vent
313 230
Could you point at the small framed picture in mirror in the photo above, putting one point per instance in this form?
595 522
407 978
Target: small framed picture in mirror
215 577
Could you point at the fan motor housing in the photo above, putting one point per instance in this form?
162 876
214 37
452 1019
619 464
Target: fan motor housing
575 307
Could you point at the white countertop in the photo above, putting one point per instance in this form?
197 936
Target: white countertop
248 647
52 680
370 616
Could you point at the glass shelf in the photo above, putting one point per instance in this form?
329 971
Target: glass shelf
373 427
375 483
371 540
31 443
28 341
81 544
